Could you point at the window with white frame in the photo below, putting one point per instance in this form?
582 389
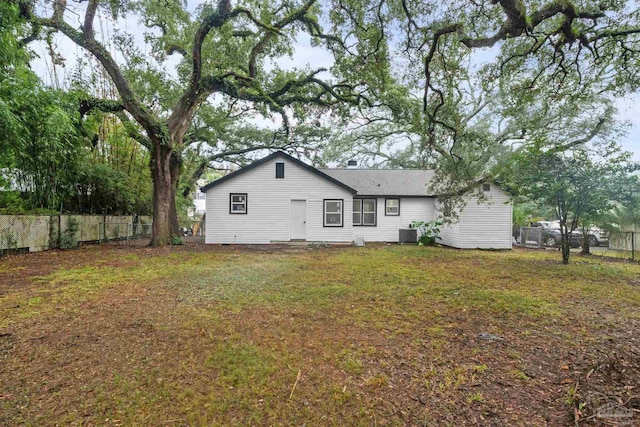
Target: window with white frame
333 210
364 211
238 203
392 207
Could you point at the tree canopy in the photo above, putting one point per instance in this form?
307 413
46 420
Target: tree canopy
580 184
456 86
474 79
50 159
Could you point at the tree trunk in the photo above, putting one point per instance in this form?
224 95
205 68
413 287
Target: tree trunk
175 169
586 248
565 238
162 194
566 246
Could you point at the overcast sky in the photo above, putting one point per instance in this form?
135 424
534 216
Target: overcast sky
629 110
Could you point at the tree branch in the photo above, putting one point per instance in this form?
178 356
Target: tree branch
174 48
132 131
87 28
516 23
86 40
117 108
270 31
184 110
104 105
427 61
33 36
580 141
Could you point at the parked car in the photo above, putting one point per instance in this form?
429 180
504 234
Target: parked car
552 237
596 236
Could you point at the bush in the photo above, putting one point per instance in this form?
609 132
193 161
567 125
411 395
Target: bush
429 231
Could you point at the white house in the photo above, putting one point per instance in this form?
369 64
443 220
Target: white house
199 202
480 224
281 199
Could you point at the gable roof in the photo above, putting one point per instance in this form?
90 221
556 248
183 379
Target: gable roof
272 156
385 182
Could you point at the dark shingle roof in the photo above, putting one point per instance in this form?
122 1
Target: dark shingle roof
384 182
366 182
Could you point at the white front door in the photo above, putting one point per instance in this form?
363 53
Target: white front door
298 218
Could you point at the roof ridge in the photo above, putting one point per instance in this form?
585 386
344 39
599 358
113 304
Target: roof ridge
379 169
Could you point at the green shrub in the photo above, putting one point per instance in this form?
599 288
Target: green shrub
429 231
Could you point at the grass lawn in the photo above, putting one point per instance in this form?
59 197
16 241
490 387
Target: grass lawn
382 335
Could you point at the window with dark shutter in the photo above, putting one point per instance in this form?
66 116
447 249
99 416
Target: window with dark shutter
279 170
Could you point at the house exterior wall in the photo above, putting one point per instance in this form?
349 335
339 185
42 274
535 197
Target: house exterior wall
387 227
268 206
199 203
485 226
450 235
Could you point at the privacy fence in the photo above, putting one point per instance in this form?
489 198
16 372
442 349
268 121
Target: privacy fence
32 233
621 244
624 245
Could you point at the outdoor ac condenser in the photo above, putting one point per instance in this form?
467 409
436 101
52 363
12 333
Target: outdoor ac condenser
408 235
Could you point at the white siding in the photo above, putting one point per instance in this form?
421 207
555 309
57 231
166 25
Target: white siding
268 205
387 228
450 235
199 203
484 225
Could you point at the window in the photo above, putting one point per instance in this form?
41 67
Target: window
486 187
333 213
357 211
279 170
364 211
200 195
392 207
238 203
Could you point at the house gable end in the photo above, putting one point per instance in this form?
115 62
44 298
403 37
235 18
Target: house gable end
277 154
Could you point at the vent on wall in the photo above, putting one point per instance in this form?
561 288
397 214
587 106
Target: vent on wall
279 170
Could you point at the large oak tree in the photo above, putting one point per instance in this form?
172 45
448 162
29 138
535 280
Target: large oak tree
228 55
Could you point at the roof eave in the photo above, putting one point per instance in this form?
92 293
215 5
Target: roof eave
412 196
